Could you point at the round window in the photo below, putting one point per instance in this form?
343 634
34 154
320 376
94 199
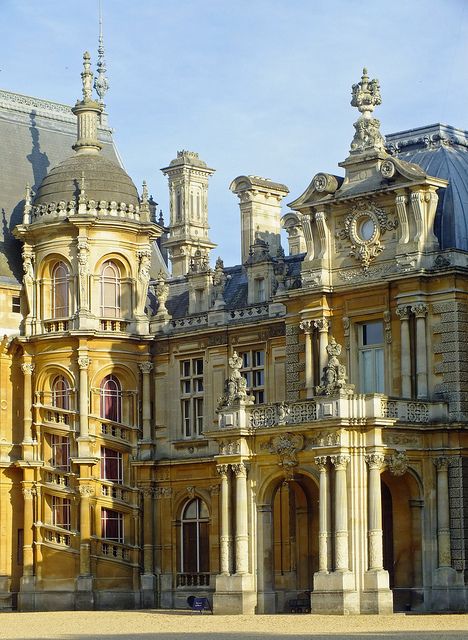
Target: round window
366 228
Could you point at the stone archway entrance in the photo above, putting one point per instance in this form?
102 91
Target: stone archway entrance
290 542
402 534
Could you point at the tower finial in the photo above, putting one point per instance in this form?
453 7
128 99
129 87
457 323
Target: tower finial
101 84
366 96
87 78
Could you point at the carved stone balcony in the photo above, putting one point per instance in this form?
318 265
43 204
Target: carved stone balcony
59 479
116 492
62 418
56 536
115 431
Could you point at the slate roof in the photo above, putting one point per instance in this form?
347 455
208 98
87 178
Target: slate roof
235 290
442 151
35 135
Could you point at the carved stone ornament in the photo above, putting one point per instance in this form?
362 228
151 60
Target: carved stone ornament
398 463
325 183
334 374
162 492
366 96
222 469
239 469
84 362
286 447
145 367
27 368
191 492
375 460
363 227
321 462
161 291
86 490
235 388
387 169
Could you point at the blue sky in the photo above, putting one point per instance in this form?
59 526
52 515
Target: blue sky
254 86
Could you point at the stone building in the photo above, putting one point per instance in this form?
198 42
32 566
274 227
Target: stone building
288 428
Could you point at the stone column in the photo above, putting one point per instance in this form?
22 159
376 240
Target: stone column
266 595
322 325
375 462
28 533
405 353
443 513
340 463
146 368
324 525
242 532
27 368
416 506
420 311
83 364
86 491
225 541
307 326
148 530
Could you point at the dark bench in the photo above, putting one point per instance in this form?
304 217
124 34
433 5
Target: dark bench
199 604
301 604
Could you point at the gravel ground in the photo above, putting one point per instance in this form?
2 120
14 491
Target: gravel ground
161 625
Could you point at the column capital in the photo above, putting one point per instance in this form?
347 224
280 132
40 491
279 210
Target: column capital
86 490
84 362
420 309
321 462
375 460
306 326
340 461
442 463
239 469
27 368
28 492
145 367
222 470
322 325
403 312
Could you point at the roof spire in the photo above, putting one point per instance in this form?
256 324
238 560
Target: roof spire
87 112
101 84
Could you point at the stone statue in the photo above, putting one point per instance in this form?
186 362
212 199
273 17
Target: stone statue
334 374
366 96
219 282
235 388
143 280
161 291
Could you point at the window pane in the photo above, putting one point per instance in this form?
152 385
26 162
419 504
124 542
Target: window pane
204 547
190 512
189 535
379 371
372 333
367 370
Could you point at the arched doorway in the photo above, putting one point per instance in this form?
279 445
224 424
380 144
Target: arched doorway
289 526
402 535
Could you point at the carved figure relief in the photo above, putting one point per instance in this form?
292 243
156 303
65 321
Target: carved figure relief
286 447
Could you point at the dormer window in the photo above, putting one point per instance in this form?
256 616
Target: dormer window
260 290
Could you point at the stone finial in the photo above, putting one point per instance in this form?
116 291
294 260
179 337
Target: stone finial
161 291
144 203
334 374
365 97
27 205
219 282
101 84
87 78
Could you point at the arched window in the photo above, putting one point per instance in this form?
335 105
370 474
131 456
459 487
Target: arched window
60 393
110 290
111 399
60 290
195 538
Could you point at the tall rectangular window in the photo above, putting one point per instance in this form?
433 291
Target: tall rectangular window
111 465
253 370
112 525
371 357
260 293
191 389
60 452
61 511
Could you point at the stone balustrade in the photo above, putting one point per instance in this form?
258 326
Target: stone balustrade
193 580
53 535
113 325
56 326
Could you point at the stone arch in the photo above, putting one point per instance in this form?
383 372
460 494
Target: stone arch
129 390
402 536
287 525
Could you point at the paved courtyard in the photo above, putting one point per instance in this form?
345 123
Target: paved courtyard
160 625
